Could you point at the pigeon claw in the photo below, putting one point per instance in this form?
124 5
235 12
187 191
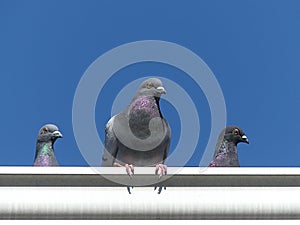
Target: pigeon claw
159 189
128 189
161 169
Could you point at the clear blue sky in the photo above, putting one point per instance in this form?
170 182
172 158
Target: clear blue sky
252 47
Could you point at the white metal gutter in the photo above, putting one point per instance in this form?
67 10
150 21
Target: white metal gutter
192 193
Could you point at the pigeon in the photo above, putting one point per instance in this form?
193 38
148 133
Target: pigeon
140 135
226 149
44 155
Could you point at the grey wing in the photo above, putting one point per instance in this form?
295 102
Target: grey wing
167 141
110 145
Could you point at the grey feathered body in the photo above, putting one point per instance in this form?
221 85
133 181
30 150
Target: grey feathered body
138 114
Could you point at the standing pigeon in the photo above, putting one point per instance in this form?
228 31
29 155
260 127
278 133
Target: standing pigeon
226 150
44 155
139 135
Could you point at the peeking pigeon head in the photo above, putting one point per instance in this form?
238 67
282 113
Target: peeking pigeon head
49 132
152 87
235 134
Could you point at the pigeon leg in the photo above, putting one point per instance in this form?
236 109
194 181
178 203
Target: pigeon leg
129 171
160 169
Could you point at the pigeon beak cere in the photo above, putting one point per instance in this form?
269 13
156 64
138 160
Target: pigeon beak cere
245 139
57 134
161 90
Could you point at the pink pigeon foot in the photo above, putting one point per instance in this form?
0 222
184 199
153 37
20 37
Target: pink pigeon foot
160 169
129 171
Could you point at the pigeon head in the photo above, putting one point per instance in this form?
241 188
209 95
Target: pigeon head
151 87
234 134
49 133
44 154
226 148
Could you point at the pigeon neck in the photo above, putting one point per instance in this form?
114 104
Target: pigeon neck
146 103
44 148
44 155
227 147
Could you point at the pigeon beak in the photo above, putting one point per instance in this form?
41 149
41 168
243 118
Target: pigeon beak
245 139
57 134
161 90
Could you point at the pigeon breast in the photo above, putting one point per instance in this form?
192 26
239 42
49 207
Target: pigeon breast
141 112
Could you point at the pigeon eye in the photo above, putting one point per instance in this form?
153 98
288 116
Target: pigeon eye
149 85
45 130
236 131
